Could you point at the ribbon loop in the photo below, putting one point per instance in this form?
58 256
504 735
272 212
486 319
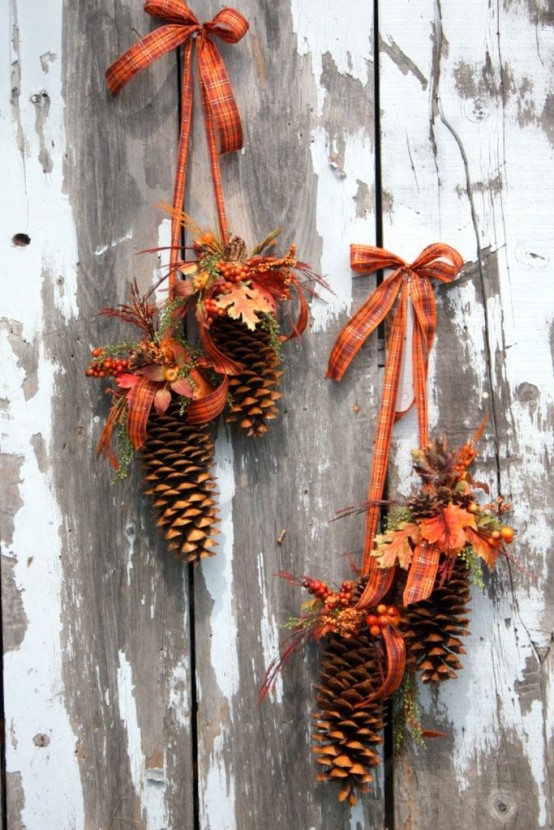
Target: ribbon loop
408 282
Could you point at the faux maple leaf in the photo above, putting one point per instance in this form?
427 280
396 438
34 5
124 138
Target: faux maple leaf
243 303
483 548
447 529
394 546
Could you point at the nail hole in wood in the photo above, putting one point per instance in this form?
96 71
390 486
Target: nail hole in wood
20 240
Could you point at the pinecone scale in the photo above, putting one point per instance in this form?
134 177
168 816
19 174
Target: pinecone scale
432 628
177 457
254 391
347 735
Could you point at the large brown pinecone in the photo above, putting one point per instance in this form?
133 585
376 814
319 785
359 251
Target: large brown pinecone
432 628
346 737
254 390
177 457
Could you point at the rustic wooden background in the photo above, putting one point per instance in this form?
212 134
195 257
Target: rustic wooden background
129 683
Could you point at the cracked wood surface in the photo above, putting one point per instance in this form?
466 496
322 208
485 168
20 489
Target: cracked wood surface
96 616
466 137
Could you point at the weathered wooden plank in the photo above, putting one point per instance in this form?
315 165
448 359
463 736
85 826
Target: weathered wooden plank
466 134
97 686
304 85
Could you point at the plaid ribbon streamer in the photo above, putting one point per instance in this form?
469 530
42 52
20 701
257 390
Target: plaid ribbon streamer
221 116
205 409
407 282
395 649
140 398
422 574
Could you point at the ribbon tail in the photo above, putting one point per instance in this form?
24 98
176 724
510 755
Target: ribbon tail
222 364
422 574
140 398
396 664
379 584
210 406
385 423
211 140
187 91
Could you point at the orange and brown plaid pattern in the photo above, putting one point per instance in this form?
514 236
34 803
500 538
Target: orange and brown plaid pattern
205 409
140 398
422 573
407 282
221 115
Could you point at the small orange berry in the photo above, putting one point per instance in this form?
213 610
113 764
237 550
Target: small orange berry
375 630
170 375
495 534
507 533
381 609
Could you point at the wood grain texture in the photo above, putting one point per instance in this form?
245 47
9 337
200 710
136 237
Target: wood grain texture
98 681
467 159
112 666
299 168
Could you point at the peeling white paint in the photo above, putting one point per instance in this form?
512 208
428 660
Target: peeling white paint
336 219
485 140
218 576
161 271
217 799
179 693
326 27
31 200
103 248
269 630
33 684
149 784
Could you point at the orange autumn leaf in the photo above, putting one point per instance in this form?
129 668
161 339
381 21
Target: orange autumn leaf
447 529
243 303
394 546
483 548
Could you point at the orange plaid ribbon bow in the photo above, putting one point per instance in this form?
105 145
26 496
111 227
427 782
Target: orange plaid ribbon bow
221 115
413 282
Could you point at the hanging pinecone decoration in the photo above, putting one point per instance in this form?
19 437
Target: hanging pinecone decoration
346 737
177 457
432 628
254 392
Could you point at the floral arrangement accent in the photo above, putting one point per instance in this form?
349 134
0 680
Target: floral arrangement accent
235 296
149 373
165 391
407 607
371 653
162 384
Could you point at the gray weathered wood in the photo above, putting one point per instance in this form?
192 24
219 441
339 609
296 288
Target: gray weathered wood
467 159
302 162
97 626
97 684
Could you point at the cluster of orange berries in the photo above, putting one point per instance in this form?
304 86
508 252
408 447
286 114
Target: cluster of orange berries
466 456
383 616
330 598
213 310
288 261
505 534
501 533
232 272
105 366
